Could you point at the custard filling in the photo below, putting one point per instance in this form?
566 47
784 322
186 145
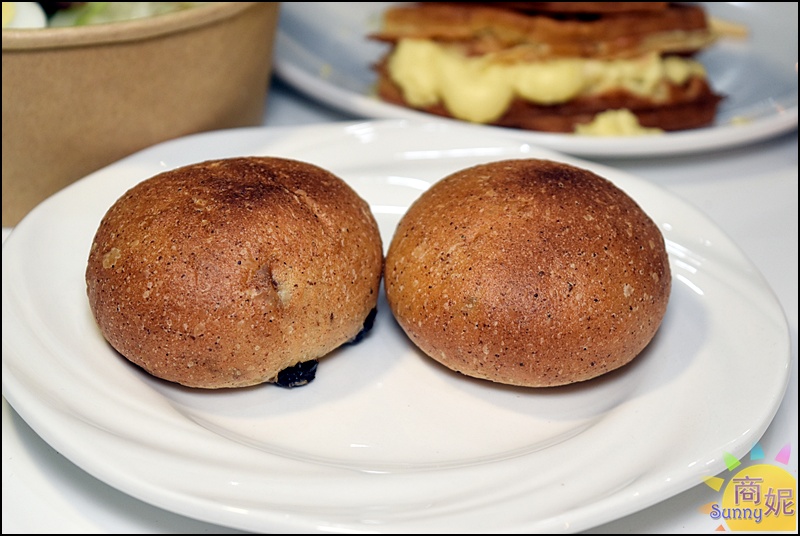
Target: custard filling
479 89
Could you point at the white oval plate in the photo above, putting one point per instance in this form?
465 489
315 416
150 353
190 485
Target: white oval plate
322 50
385 439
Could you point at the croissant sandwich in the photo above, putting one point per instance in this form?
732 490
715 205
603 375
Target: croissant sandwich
549 66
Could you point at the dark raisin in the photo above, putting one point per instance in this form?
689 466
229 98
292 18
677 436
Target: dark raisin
368 323
298 375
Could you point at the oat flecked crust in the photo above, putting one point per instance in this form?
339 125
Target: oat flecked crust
528 272
223 273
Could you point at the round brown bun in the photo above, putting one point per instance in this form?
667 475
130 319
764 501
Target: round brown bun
528 272
227 272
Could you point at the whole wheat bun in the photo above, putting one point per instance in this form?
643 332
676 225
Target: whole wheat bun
528 272
226 272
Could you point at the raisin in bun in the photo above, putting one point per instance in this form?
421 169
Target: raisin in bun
528 272
227 272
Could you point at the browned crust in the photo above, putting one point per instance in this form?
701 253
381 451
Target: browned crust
690 105
482 28
223 273
528 272
582 7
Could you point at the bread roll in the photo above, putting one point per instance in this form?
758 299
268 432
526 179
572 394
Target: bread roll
528 272
227 272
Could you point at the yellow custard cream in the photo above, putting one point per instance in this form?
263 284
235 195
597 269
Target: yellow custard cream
615 123
479 90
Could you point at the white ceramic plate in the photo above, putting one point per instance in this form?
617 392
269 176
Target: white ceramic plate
322 50
384 439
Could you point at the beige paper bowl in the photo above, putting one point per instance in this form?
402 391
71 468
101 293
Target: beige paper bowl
77 99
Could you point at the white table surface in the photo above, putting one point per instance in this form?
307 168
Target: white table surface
750 192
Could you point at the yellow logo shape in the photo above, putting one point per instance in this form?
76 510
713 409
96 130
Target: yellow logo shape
759 498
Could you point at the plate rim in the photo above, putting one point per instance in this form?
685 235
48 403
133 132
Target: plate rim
705 139
235 521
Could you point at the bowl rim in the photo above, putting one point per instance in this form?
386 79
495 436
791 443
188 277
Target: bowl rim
121 31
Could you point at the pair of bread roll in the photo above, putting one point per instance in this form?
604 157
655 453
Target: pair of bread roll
242 271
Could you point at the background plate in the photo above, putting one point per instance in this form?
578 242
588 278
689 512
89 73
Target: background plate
322 50
385 439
